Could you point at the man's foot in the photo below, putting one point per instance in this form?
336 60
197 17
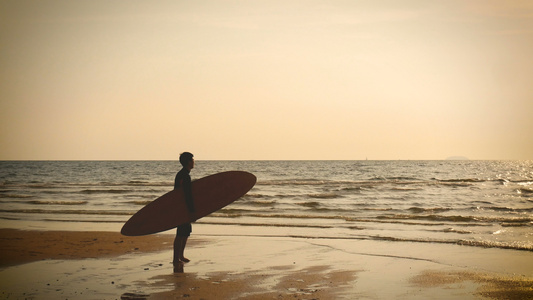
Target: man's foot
177 263
178 268
185 260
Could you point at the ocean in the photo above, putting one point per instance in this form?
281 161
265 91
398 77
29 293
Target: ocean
471 203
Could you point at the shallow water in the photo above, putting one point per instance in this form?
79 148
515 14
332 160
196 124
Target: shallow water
477 203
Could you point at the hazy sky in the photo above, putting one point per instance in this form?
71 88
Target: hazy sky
374 79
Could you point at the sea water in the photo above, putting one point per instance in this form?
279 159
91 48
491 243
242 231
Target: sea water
475 203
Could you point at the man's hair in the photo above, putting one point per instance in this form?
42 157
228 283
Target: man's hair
185 158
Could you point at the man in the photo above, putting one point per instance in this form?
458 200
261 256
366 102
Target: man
183 179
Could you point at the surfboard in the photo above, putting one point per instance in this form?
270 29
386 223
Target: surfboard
210 194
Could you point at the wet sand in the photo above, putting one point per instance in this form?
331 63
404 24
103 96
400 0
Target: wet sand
18 246
107 265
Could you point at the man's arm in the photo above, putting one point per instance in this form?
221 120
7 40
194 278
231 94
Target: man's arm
187 190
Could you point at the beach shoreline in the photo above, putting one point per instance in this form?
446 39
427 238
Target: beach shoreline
108 265
25 246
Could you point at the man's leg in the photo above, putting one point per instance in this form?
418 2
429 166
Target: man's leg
182 250
177 250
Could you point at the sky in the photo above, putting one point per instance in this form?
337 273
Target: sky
266 80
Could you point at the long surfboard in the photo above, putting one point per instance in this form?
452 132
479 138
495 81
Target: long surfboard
210 194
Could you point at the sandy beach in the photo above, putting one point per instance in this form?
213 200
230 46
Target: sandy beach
107 265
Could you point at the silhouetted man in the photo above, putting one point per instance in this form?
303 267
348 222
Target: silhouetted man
183 179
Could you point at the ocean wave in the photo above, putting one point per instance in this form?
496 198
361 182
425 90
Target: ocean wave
430 218
300 182
525 191
137 183
62 185
352 189
399 183
261 202
519 221
141 196
321 213
455 184
503 209
83 221
497 244
523 246
16 196
343 184
122 184
67 212
311 204
395 178
516 224
233 212
251 195
408 222
461 180
405 189
106 191
472 243
56 202
324 196
268 224
419 210
277 196
10 218
523 182
140 202
453 230
48 185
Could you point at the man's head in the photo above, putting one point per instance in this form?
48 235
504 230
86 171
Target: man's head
187 160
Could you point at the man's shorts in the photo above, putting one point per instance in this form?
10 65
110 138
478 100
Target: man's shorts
184 229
